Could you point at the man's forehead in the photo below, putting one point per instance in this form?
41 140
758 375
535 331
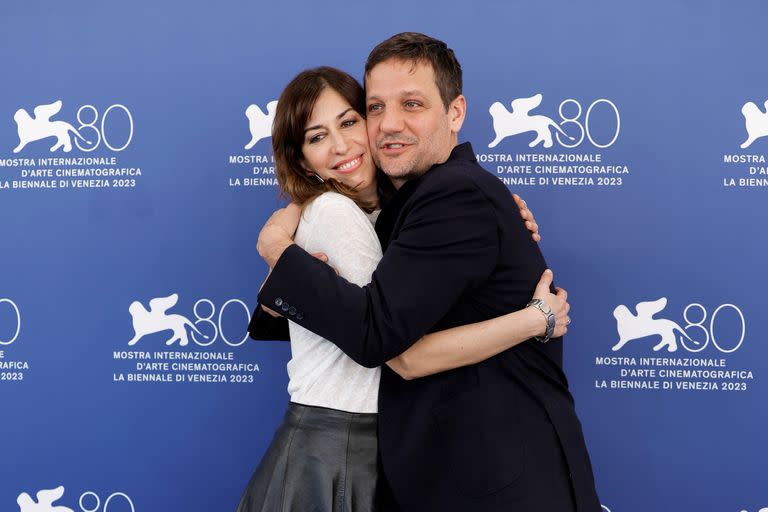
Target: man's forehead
419 70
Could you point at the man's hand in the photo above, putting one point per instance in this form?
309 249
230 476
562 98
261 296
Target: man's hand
558 302
277 234
527 215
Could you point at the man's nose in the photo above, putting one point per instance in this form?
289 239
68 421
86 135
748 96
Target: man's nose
391 121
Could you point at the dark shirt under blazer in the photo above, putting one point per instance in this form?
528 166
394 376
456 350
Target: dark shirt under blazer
501 435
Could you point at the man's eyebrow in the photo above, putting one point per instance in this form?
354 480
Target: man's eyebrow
316 126
414 92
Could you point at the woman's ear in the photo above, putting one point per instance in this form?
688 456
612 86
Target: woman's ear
311 175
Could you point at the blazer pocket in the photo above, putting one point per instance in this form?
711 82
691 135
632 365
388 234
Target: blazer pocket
482 441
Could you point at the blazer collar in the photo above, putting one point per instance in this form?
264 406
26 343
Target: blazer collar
391 211
462 151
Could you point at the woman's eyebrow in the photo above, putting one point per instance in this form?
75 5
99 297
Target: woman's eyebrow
315 127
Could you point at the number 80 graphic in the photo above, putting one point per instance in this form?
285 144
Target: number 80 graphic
100 132
17 330
109 499
216 326
584 128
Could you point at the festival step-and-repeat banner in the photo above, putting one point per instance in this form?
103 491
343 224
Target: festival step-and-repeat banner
136 171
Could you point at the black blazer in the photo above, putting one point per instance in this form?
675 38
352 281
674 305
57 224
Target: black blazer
500 435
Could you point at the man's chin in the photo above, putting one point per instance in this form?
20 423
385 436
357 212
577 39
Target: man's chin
397 169
403 177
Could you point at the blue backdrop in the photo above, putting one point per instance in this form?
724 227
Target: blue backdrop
654 190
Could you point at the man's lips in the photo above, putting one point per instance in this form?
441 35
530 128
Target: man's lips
349 165
394 148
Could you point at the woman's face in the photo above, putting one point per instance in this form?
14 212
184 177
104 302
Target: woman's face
336 143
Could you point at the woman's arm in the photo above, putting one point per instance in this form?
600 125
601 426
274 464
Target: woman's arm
472 343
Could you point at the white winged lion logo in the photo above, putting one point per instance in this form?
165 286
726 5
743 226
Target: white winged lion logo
756 122
45 499
518 121
633 327
39 127
259 123
156 320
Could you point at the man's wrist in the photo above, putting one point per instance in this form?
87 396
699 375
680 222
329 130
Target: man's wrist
276 250
272 244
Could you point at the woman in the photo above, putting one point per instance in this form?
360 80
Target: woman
324 456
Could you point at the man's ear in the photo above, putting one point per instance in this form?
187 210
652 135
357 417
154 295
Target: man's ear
457 111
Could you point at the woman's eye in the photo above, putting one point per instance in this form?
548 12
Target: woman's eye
315 138
348 122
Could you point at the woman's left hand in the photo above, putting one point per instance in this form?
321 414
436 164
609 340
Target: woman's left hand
527 215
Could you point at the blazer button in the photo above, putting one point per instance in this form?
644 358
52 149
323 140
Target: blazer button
285 306
299 316
292 311
278 301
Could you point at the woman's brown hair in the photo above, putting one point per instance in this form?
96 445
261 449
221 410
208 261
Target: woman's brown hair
293 110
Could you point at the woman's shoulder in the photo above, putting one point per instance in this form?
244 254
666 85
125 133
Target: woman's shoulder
336 212
332 201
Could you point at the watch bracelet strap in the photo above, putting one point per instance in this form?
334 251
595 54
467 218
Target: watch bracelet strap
549 317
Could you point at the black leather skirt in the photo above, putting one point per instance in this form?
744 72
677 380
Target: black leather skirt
320 460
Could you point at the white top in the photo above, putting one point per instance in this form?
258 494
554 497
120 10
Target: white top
320 373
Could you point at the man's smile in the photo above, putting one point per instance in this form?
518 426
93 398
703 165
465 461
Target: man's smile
392 149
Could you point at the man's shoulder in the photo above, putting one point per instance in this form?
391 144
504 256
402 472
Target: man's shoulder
460 175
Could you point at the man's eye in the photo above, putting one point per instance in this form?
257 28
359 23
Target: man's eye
411 104
374 107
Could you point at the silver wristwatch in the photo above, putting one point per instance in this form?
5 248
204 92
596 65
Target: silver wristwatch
548 314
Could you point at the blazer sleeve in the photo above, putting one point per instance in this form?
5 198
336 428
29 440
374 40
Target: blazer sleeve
447 244
338 228
264 326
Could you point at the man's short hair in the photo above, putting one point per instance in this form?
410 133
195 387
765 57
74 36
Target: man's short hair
419 48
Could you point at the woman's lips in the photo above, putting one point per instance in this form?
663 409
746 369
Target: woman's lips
350 165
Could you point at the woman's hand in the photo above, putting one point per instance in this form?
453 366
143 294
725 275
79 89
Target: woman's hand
558 303
527 215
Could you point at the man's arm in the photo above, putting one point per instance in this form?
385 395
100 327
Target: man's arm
447 244
264 326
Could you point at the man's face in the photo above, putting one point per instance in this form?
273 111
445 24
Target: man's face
408 127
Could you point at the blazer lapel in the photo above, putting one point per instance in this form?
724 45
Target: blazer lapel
387 220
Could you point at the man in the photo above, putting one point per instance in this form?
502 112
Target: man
501 435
